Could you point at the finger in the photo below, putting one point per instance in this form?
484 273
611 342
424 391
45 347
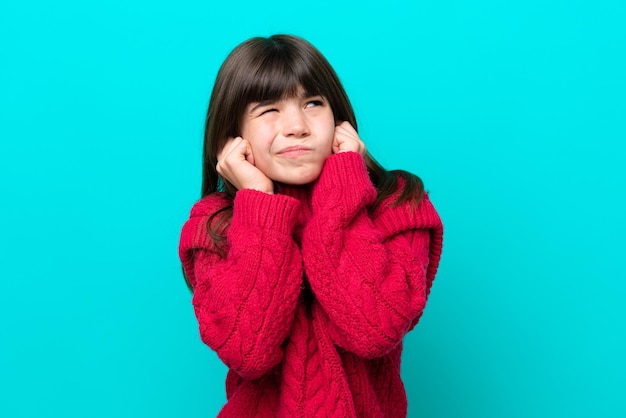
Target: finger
343 134
236 150
347 138
224 157
230 143
347 127
335 147
249 156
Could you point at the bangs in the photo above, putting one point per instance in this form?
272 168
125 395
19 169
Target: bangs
279 77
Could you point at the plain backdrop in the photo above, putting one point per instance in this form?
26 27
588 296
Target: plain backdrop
513 113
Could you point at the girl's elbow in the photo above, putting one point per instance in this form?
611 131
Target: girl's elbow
376 341
250 364
254 366
255 371
381 346
369 345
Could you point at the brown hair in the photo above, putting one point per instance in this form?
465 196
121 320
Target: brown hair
267 69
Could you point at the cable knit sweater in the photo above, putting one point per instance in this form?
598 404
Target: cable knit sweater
309 305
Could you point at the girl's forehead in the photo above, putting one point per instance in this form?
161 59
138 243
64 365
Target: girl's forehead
270 85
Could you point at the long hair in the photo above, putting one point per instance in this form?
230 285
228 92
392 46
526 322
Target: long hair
268 69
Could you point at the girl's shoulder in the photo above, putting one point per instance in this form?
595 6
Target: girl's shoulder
415 212
210 204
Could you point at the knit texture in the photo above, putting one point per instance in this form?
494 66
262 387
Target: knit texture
309 306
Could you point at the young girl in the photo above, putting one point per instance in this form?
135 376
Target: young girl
308 261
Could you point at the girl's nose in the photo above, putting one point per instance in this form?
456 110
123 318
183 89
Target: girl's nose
294 124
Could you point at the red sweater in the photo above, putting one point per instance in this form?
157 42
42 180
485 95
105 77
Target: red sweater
309 305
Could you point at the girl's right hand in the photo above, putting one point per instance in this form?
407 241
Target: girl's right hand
235 163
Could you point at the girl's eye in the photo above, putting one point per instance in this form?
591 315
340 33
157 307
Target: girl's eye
314 103
269 111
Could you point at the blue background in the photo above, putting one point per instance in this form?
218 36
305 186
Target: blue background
513 114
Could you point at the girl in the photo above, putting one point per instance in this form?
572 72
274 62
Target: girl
308 261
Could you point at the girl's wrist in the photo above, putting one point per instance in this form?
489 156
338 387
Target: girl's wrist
257 209
344 178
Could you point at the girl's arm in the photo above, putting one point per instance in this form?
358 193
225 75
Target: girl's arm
245 301
370 273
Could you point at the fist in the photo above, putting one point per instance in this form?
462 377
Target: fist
347 139
235 163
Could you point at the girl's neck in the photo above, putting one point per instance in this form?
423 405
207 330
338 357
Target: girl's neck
302 193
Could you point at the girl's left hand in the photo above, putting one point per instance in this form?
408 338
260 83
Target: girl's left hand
347 139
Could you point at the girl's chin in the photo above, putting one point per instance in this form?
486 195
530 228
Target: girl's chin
298 179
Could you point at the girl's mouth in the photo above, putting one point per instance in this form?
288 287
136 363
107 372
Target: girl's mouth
294 151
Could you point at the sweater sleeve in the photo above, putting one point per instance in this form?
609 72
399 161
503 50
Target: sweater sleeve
371 273
245 301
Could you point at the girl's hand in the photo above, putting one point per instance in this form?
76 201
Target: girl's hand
235 163
347 139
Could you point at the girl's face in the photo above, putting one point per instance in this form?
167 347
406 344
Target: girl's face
290 138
